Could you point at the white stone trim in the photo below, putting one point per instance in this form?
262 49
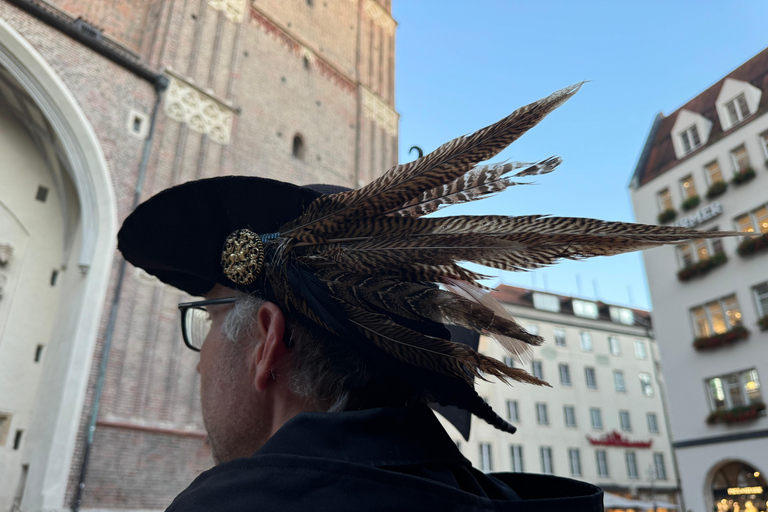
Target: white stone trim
202 112
232 9
379 111
55 422
380 16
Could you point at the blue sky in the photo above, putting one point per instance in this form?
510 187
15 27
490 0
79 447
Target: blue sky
463 65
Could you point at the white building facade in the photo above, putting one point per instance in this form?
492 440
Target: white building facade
603 419
704 166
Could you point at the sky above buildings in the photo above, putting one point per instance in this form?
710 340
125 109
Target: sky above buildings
462 65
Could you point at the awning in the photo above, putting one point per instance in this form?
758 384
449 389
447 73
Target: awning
616 501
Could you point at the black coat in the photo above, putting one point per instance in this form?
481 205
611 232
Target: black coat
377 459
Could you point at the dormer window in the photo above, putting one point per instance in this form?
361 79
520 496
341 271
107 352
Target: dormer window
736 101
737 109
546 302
690 132
690 139
622 315
584 308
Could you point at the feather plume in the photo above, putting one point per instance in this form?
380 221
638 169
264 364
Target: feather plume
364 264
478 183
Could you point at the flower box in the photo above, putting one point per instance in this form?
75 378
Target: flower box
716 189
691 202
736 414
762 322
737 333
743 176
702 267
753 244
667 216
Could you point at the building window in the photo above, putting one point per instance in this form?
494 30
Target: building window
618 381
546 460
509 361
658 462
585 340
626 426
714 174
512 410
614 346
486 464
538 372
541 414
740 159
631 465
690 139
565 374
589 373
546 302
602 463
533 329
645 384
640 352
761 298
716 317
689 187
698 250
737 109
574 460
596 418
559 337
298 147
585 308
653 424
622 315
665 200
734 390
570 415
756 221
516 452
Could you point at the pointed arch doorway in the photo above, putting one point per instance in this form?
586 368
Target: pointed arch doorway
57 226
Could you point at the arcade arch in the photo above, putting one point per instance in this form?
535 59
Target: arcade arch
58 216
737 486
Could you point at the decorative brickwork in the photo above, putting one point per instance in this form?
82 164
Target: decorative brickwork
187 104
376 109
232 9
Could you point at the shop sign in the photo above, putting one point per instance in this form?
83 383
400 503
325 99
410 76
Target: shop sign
737 491
616 439
704 214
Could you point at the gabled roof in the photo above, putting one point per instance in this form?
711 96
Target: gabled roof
524 297
658 156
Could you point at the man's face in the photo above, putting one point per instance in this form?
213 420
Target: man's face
230 402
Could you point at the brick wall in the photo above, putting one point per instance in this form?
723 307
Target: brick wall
287 68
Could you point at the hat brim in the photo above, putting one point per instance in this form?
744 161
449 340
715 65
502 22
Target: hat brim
178 234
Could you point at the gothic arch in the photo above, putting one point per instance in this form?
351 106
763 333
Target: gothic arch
63 385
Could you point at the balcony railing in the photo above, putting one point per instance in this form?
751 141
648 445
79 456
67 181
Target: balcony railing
752 245
702 267
738 332
738 414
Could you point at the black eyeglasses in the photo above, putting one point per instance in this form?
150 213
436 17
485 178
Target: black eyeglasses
196 322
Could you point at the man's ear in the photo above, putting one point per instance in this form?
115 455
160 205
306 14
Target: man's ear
271 352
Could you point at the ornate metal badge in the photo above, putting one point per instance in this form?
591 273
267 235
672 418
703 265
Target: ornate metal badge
243 256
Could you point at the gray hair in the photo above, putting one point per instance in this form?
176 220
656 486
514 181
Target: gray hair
312 375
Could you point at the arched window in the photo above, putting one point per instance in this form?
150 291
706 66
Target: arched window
298 147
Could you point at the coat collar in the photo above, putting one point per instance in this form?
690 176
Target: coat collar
405 436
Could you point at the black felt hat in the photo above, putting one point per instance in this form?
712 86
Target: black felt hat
178 234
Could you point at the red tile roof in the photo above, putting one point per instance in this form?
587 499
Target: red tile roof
660 155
